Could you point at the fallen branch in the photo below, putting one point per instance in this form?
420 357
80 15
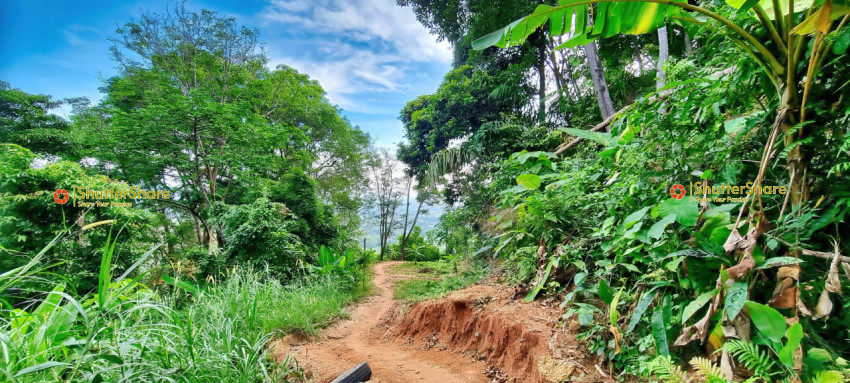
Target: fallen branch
607 122
819 254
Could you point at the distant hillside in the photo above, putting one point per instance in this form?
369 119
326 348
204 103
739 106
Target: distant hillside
370 225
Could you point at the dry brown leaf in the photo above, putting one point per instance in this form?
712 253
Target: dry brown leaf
742 327
747 245
732 241
791 271
801 307
824 306
743 267
700 329
617 336
833 285
727 365
785 292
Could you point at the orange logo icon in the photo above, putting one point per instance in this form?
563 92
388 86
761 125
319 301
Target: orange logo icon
61 196
677 191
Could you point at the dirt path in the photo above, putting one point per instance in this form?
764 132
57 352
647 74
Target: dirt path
360 339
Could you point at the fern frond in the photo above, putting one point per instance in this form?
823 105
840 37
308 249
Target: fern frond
753 358
708 370
668 371
446 161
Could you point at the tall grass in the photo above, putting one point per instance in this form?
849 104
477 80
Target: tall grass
129 333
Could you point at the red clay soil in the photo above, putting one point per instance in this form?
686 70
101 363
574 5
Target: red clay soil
479 334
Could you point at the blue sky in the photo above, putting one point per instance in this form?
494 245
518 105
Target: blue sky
370 56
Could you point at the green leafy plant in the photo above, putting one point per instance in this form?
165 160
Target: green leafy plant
752 357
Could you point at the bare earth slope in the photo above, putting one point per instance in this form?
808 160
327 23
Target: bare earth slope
479 334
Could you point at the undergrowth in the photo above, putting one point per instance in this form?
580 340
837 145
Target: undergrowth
419 289
128 332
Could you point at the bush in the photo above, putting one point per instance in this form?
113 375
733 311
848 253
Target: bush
258 234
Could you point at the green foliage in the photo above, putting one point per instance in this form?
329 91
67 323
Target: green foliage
29 218
259 234
767 320
25 119
416 289
157 336
751 356
416 248
668 371
330 263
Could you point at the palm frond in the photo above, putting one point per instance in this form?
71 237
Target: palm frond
446 161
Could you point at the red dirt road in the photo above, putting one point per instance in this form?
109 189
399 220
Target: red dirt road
361 339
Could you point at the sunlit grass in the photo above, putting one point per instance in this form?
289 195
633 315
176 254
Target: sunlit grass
438 280
128 332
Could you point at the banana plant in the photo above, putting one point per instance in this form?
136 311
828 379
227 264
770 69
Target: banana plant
329 262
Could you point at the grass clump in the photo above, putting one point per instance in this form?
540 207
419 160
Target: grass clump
128 332
419 289
424 268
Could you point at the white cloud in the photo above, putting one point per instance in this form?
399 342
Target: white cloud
362 46
362 20
79 35
348 73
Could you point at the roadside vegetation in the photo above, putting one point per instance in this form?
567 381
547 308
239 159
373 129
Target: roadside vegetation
254 239
566 146
429 280
127 331
561 132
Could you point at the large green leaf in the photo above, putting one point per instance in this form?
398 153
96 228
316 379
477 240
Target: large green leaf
779 261
686 211
659 332
697 304
181 284
657 229
767 5
553 263
608 19
768 321
644 302
529 181
39 367
600 138
794 335
612 309
736 297
606 293
634 217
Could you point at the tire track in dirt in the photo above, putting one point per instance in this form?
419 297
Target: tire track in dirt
360 339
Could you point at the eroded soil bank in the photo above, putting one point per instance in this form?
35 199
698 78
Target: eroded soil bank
478 334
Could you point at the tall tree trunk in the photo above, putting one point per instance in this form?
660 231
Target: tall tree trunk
556 69
541 75
407 233
663 56
406 214
689 48
600 86
572 80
